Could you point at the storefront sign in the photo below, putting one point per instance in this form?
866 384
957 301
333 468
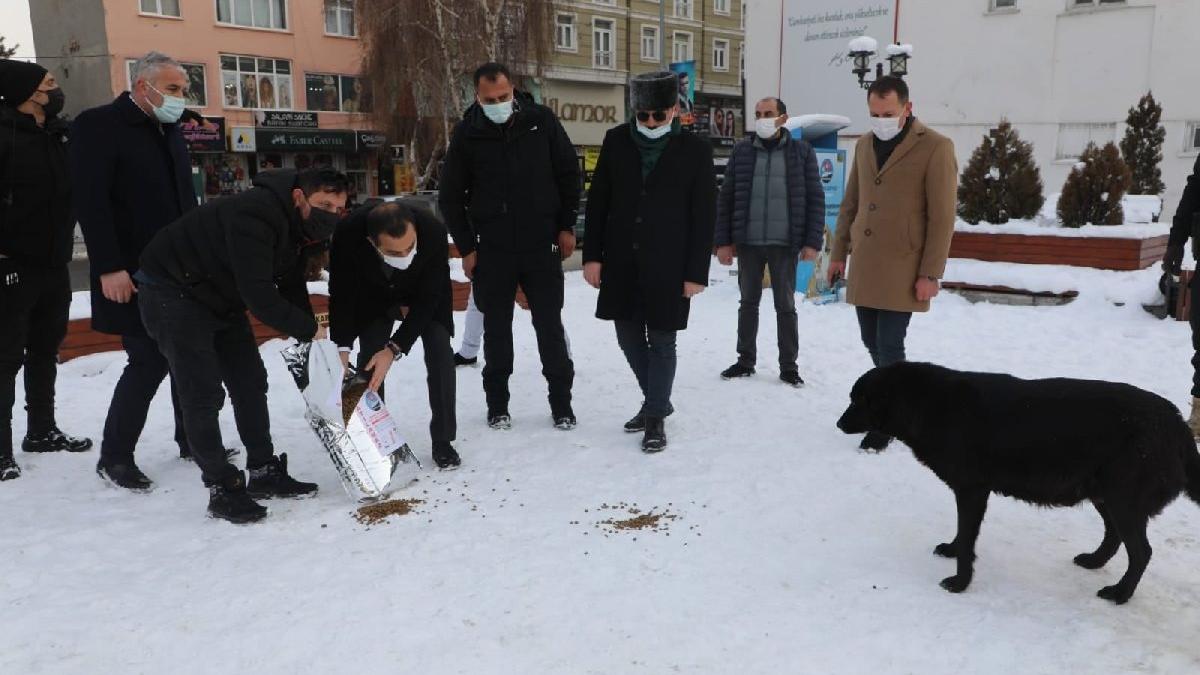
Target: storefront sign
206 136
242 139
582 112
285 119
371 140
300 141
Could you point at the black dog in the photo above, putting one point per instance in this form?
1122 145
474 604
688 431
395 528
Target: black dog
1048 442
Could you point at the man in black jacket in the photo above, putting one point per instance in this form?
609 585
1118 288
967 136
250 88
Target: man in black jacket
650 218
509 194
36 239
197 279
772 208
390 262
1184 227
132 176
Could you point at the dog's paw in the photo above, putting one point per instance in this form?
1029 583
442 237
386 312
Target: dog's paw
1115 594
956 583
947 550
1090 561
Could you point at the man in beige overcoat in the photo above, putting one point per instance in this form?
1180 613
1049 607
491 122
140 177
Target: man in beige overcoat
895 223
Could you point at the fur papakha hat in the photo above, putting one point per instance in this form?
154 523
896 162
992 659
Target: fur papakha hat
654 91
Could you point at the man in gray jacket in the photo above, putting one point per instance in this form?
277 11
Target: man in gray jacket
772 209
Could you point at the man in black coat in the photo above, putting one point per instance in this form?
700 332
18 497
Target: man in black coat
390 262
36 239
198 277
132 176
1184 227
650 218
510 193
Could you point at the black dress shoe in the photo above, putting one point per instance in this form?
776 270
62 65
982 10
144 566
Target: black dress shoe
792 378
736 371
460 360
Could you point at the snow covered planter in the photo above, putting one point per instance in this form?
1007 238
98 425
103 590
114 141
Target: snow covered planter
1106 247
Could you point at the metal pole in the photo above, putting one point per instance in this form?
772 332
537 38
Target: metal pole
662 32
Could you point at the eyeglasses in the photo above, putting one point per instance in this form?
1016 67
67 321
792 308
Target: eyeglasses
658 115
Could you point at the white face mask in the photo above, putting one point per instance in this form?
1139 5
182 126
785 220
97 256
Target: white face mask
655 133
401 262
765 128
498 113
885 128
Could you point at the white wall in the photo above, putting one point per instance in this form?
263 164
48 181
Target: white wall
1039 66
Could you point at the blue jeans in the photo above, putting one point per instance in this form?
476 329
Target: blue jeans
883 333
651 356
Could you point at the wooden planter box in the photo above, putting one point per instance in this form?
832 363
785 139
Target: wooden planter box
1107 253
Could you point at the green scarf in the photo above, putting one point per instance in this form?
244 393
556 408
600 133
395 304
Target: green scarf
652 149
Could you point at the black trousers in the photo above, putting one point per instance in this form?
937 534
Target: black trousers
144 372
33 306
883 333
782 262
539 274
440 377
1194 320
652 358
203 350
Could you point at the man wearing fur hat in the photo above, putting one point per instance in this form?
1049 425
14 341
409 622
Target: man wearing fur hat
36 239
650 217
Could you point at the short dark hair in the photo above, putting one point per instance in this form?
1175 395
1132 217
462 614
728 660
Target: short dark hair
322 179
390 218
889 84
491 71
779 104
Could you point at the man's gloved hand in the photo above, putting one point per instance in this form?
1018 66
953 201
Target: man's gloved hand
1173 259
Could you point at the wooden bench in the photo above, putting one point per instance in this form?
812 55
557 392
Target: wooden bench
1108 253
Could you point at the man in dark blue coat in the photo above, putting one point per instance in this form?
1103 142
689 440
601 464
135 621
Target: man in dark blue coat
772 208
36 233
132 177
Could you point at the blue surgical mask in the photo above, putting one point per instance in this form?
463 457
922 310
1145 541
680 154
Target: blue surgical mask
498 112
655 133
171 109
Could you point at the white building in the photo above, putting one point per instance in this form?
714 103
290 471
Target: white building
1063 71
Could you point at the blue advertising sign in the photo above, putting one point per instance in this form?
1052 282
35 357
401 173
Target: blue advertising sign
810 277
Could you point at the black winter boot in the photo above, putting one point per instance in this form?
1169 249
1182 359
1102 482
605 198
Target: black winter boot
272 480
124 474
564 418
445 456
55 441
499 419
229 501
736 371
655 439
8 467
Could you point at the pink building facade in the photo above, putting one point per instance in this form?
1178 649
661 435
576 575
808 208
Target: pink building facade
276 78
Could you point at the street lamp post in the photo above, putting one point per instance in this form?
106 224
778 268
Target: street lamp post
862 50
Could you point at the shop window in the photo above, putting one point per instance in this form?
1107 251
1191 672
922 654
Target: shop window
253 82
253 13
335 93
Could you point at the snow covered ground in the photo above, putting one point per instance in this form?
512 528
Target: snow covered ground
792 552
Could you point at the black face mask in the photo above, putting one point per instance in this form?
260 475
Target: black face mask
320 224
55 105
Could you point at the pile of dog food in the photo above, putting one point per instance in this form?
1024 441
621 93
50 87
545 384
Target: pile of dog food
374 514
